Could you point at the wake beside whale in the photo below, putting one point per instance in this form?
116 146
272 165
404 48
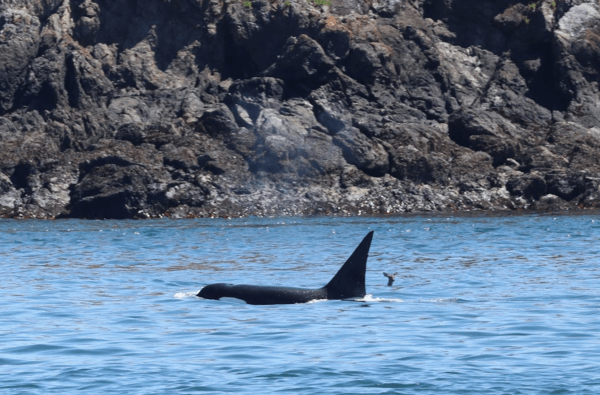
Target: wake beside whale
349 282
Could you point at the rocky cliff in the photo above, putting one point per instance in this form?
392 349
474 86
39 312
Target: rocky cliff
145 108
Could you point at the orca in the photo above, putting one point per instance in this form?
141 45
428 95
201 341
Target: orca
349 282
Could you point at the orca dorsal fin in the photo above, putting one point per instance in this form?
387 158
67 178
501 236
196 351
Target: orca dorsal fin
349 282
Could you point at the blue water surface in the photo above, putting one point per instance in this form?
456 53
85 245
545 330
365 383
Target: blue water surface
481 305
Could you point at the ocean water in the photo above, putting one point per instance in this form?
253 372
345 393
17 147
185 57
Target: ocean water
481 305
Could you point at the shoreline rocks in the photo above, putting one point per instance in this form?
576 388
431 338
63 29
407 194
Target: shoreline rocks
192 108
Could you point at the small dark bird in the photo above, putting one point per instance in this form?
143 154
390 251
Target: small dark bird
391 278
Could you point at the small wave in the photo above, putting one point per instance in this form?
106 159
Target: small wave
182 295
370 298
449 300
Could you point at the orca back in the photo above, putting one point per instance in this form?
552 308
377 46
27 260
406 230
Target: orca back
349 282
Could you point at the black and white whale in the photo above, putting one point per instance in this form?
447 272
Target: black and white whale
349 282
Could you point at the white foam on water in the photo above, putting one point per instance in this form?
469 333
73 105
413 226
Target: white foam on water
450 300
182 295
370 298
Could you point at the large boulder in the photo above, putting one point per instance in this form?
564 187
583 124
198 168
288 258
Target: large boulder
359 150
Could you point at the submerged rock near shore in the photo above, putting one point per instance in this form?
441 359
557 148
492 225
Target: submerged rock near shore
195 108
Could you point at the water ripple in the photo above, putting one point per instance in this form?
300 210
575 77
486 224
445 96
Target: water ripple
494 305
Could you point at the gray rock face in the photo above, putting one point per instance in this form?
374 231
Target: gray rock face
129 109
366 154
20 42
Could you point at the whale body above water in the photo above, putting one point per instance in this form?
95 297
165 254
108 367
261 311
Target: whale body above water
349 282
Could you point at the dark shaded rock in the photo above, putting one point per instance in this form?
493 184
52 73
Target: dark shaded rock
366 61
304 65
211 163
85 82
335 42
567 186
366 154
510 95
485 131
542 159
159 134
247 98
511 18
531 186
408 163
261 92
217 121
352 177
179 157
21 175
131 132
87 166
87 23
112 191
576 145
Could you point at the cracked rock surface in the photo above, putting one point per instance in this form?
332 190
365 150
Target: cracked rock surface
203 108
